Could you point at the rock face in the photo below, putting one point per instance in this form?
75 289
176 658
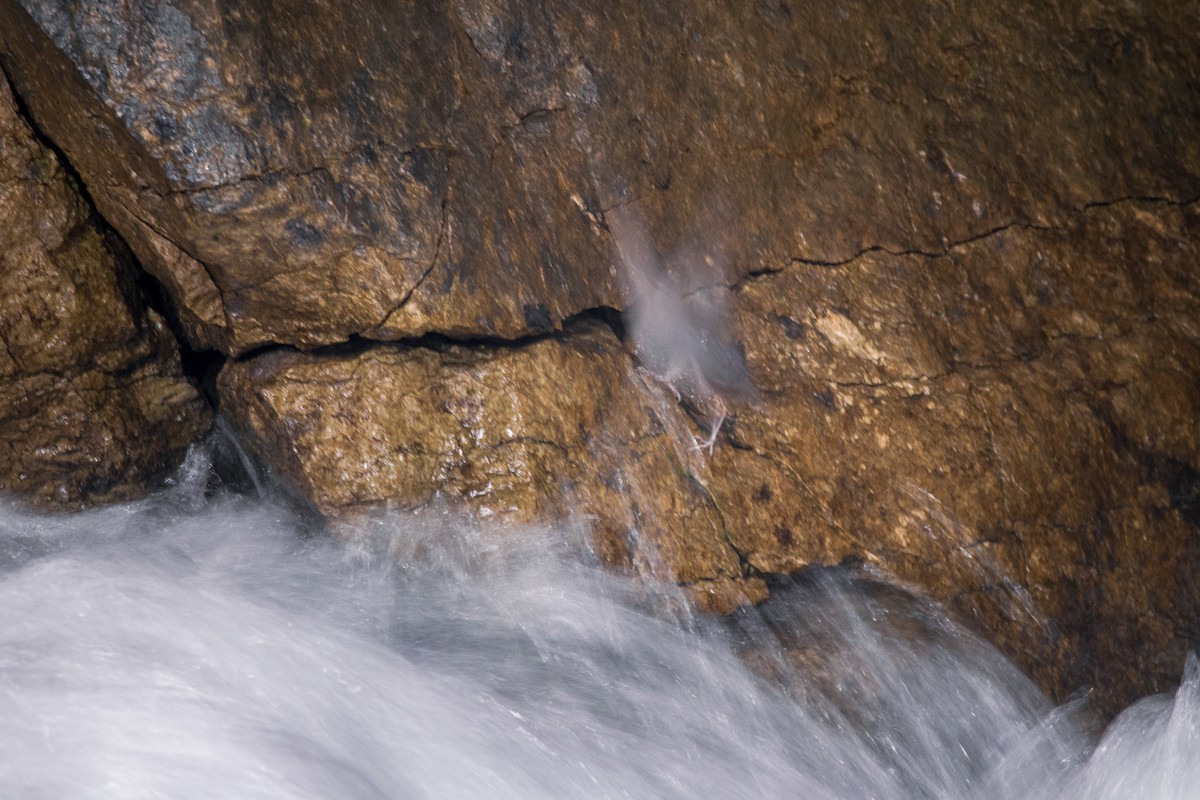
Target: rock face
548 429
960 240
387 169
1015 429
1010 426
93 405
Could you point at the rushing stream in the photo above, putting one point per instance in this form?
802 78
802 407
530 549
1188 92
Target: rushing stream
187 646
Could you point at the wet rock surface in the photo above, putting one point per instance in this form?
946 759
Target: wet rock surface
298 177
1009 426
93 404
1015 429
960 240
553 428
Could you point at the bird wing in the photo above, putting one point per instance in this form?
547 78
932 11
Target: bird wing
682 337
659 323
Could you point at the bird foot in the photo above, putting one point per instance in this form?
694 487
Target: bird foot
711 442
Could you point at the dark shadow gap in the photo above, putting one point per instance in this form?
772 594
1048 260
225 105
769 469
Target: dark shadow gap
140 288
440 342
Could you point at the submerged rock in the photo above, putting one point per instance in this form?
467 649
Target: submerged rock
93 405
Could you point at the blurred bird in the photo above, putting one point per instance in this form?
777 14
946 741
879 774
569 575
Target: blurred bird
681 337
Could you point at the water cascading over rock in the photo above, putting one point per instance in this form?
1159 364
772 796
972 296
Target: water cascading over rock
958 252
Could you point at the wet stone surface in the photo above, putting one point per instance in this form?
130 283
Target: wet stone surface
557 427
958 240
382 170
93 403
1014 429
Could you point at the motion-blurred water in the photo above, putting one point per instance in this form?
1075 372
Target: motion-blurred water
193 647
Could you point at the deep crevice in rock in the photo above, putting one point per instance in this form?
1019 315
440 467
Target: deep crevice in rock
441 342
140 288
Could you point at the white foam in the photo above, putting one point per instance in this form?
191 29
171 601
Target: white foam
188 648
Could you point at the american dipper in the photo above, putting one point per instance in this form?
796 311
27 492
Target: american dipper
682 338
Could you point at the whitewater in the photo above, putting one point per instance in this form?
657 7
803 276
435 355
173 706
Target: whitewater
207 642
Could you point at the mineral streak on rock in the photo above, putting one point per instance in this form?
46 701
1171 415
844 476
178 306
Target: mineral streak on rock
93 405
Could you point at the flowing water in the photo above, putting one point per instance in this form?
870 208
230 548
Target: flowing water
193 646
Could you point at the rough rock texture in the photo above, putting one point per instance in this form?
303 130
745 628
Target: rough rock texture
1012 426
961 239
93 405
551 428
297 175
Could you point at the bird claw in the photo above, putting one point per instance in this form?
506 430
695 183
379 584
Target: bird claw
711 442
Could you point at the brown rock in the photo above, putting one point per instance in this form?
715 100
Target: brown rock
1006 427
978 355
93 405
1010 426
296 176
551 428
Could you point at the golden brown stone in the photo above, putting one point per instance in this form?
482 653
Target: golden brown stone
1004 426
93 405
1011 426
556 427
978 353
